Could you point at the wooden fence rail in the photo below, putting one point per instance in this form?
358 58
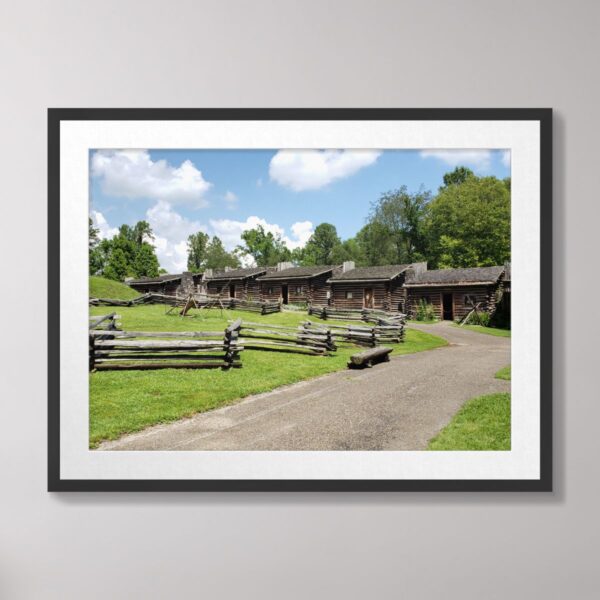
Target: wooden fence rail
119 350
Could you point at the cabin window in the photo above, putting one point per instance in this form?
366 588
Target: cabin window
269 290
348 295
298 289
328 294
470 300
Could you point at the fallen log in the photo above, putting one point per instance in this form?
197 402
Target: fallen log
369 357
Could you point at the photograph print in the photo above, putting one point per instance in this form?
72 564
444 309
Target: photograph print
347 304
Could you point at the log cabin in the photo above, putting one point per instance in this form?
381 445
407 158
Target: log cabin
372 287
176 284
454 292
241 284
298 285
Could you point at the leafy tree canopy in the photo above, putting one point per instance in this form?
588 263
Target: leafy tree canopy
468 224
265 248
217 257
197 245
320 246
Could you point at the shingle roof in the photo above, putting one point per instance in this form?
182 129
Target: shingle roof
455 276
383 273
238 274
296 272
159 279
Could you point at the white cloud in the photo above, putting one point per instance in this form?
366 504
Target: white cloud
505 158
230 200
301 231
313 169
105 231
171 231
133 174
480 159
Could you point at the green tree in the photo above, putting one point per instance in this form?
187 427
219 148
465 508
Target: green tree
468 224
117 267
197 244
217 257
146 262
142 232
265 248
94 235
376 245
320 246
458 176
401 215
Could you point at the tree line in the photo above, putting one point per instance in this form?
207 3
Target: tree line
465 224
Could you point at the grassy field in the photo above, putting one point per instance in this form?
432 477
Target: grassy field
503 373
483 423
489 330
127 401
107 288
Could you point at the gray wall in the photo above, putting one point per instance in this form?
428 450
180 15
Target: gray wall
413 54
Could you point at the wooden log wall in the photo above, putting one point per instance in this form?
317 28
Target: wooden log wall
484 294
340 289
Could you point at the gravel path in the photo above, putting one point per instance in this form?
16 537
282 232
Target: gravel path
398 405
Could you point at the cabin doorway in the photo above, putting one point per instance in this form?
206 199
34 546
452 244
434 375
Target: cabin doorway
232 291
447 307
284 293
368 298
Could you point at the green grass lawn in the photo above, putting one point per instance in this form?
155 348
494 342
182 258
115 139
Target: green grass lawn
127 401
489 330
483 423
503 373
107 288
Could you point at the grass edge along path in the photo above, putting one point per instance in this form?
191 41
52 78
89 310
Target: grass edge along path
483 423
488 330
504 373
124 402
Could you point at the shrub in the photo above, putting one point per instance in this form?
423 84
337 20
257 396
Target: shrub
424 312
482 318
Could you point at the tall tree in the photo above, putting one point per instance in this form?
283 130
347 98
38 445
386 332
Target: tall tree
458 176
265 248
320 246
197 244
145 263
217 257
142 232
94 235
468 224
401 214
376 245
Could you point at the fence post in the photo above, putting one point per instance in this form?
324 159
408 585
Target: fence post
92 353
230 343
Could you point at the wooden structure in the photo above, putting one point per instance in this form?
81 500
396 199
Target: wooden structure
240 284
369 357
280 338
125 350
453 293
298 285
372 287
171 285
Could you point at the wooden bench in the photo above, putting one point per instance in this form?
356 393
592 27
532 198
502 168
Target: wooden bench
369 357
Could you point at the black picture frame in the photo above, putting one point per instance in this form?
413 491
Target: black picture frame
58 115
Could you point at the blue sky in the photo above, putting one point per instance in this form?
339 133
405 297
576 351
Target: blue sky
289 192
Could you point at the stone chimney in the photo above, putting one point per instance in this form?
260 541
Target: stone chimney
348 266
227 269
187 282
208 273
284 265
419 267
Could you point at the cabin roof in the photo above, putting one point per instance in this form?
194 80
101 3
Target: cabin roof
382 273
237 274
483 275
159 279
297 273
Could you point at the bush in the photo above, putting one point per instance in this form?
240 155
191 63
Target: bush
424 312
481 318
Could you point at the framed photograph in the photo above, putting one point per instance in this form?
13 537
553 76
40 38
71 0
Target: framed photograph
300 299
